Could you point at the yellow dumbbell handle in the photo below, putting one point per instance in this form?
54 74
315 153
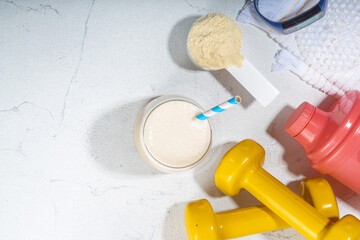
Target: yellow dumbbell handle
241 222
286 204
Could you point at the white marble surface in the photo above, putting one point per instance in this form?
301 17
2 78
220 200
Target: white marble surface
74 75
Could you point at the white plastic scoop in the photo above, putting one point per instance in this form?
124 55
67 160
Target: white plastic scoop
256 84
249 77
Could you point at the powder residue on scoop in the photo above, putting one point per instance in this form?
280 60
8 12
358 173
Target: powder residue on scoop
214 42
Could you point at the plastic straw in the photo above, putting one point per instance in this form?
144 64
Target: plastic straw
220 108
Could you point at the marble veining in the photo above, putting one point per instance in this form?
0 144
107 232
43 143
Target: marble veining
73 77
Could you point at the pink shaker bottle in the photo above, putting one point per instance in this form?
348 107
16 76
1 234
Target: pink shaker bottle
331 139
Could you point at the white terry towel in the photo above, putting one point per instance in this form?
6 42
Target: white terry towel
325 54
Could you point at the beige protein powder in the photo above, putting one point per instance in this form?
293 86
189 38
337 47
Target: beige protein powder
214 42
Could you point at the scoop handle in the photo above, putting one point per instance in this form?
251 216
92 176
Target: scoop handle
254 82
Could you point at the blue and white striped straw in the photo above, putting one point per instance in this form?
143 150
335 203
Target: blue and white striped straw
220 108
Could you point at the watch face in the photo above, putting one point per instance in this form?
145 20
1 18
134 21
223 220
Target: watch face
302 20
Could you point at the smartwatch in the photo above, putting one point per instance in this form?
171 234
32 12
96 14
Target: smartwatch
298 22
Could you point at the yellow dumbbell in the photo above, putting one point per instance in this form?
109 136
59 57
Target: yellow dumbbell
241 168
202 223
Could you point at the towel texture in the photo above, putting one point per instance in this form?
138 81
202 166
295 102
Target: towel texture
325 54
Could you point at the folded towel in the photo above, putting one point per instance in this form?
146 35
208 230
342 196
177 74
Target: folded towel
325 54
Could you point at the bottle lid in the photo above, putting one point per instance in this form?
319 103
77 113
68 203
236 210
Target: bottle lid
299 119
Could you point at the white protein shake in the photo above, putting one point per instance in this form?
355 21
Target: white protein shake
173 135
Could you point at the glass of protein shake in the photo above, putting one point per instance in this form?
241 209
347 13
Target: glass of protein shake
169 137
